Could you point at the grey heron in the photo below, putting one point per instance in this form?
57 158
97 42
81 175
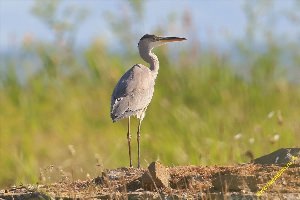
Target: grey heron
134 91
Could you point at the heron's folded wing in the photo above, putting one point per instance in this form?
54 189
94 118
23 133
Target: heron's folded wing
133 92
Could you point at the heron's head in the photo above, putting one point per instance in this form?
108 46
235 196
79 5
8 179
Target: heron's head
148 42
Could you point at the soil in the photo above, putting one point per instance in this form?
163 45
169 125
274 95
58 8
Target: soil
242 181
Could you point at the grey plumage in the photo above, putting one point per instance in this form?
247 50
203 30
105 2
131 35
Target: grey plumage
134 91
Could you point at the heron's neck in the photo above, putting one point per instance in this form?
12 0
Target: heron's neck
152 59
154 63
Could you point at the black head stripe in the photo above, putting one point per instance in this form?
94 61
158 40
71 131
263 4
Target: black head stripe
150 37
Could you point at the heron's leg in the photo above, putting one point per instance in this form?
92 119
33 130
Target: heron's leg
129 139
138 141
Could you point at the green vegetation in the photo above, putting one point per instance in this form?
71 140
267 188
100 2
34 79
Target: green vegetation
203 111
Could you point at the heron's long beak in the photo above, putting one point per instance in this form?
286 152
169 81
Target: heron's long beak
171 39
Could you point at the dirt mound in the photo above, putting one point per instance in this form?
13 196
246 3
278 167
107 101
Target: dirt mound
181 182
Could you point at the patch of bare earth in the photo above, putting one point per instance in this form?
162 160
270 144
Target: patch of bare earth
182 182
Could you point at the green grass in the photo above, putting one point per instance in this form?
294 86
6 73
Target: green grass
196 112
202 112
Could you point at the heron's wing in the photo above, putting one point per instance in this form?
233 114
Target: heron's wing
132 93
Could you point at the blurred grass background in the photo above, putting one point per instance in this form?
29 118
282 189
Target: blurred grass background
210 107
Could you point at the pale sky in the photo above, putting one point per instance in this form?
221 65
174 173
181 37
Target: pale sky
212 18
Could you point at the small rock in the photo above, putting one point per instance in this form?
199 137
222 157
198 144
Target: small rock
157 176
279 157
